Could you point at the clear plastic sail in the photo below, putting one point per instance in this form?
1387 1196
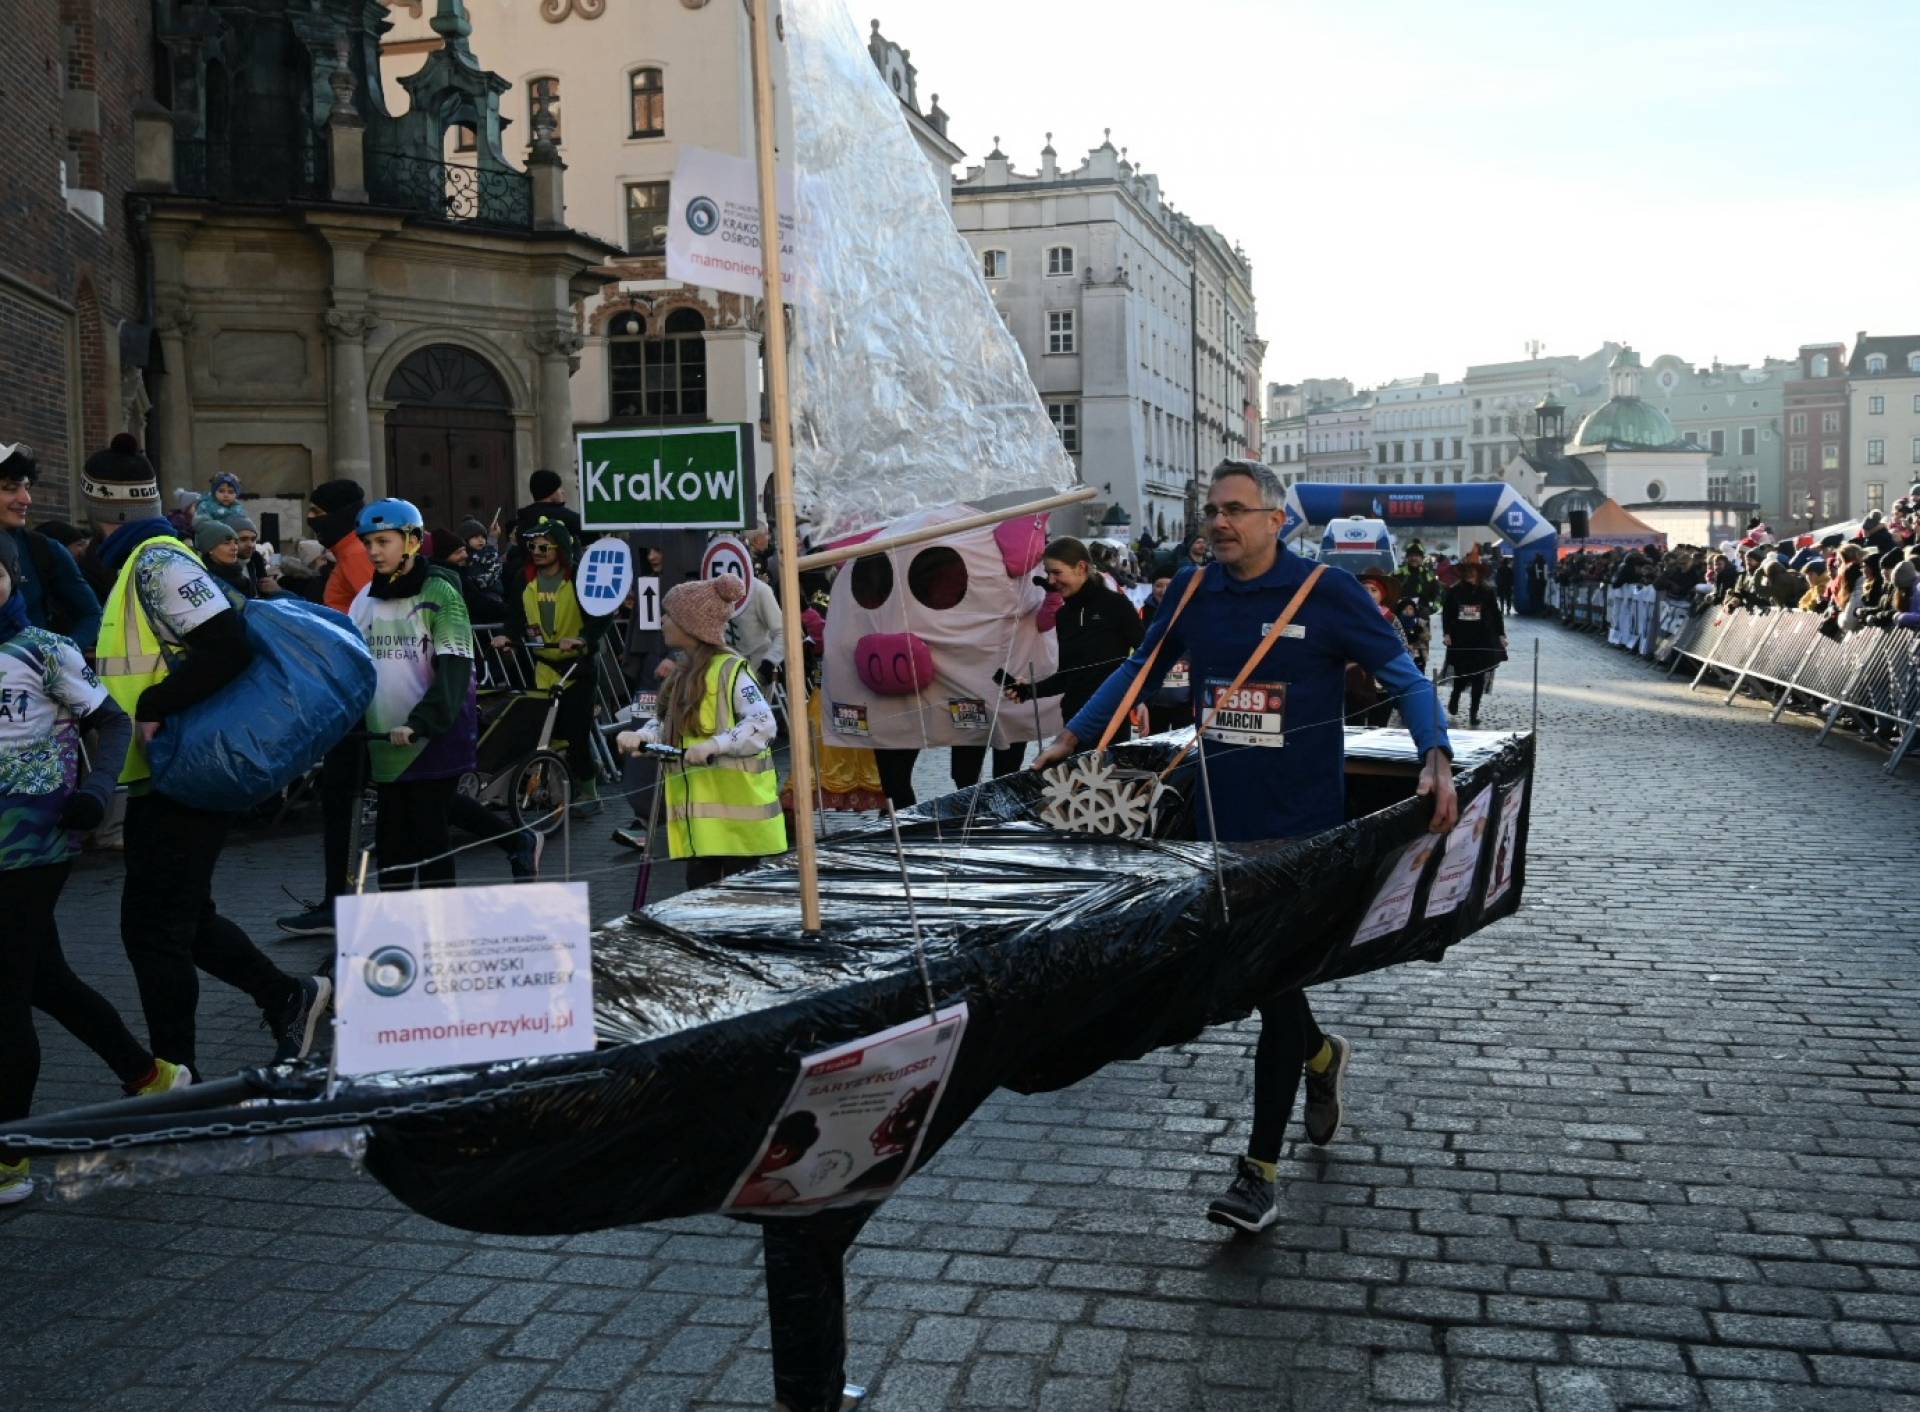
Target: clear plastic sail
909 392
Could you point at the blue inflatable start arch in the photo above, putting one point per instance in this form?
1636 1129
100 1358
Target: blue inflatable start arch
1494 504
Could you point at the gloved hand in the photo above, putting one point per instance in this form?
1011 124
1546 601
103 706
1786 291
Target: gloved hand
700 752
1021 691
400 735
82 812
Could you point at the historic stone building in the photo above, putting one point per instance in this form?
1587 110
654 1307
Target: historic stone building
74 325
343 290
1883 401
1420 431
1734 411
1138 324
1814 437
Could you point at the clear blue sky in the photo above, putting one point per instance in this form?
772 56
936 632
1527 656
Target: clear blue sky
1422 184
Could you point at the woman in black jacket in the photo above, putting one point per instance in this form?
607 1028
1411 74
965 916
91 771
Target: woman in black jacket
1098 629
1476 635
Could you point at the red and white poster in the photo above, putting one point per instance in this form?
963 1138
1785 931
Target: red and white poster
1461 858
850 1131
1392 906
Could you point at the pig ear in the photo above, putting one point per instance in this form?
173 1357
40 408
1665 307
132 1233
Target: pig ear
1022 542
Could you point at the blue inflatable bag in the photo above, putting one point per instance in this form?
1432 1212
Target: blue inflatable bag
308 684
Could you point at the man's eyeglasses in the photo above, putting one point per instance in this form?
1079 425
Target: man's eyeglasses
1233 511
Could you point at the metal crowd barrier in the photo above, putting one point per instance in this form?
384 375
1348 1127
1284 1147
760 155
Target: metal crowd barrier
1871 672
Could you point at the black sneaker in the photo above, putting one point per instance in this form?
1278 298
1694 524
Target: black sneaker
1323 1094
633 836
315 921
299 1021
1248 1204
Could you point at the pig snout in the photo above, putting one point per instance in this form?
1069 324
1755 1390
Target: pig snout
893 663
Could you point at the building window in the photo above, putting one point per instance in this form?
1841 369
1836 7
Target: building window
1059 332
1380 453
1479 424
1829 457
1819 365
1797 424
1916 401
1060 260
1876 451
1797 458
1749 440
662 377
1456 448
1829 502
647 217
993 264
1876 406
1655 490
1066 421
1877 495
1829 421
649 104
1913 362
1916 451
1876 362
1716 488
1717 441
465 139
543 93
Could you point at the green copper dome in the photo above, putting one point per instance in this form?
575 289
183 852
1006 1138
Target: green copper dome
1627 424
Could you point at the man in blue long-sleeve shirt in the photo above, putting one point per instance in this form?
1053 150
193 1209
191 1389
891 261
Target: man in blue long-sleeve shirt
57 594
1275 762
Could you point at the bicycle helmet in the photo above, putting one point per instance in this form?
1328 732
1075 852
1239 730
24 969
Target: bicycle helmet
401 515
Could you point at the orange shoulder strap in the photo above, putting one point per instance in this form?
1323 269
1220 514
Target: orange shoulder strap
1140 678
1280 625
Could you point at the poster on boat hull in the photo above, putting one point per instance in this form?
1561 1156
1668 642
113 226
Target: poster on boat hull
851 1129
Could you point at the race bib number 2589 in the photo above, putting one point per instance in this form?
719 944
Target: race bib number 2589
1254 714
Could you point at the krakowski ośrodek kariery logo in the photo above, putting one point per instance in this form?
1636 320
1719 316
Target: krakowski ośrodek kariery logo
391 971
703 217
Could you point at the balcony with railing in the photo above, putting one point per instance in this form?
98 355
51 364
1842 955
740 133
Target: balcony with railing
451 191
250 174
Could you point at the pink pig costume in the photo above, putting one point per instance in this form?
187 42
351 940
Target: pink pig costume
914 637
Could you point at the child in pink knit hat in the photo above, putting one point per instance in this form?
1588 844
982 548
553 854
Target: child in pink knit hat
722 795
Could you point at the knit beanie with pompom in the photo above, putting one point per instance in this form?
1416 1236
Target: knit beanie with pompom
701 608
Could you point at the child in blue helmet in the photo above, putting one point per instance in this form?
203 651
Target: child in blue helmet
414 618
221 503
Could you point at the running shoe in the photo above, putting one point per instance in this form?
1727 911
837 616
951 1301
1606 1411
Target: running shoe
315 921
1323 1094
633 836
1248 1203
167 1076
299 1021
15 1184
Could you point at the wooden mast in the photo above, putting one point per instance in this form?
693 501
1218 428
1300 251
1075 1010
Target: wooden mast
799 729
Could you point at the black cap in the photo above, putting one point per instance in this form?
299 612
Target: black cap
16 462
336 495
543 483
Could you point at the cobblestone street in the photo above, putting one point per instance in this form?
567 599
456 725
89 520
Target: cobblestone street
1653 1143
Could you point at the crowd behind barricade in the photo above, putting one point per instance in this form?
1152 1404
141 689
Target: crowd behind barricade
1828 622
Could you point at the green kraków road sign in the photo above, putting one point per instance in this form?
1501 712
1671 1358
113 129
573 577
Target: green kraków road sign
667 478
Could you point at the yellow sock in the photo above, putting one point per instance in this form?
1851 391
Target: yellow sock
1322 1057
1269 1171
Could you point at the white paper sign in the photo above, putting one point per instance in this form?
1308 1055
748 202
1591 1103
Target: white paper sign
1505 840
461 975
713 225
606 572
646 605
1392 906
851 1129
1454 879
727 554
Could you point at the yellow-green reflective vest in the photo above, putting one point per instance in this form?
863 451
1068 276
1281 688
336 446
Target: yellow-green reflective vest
128 659
729 807
550 662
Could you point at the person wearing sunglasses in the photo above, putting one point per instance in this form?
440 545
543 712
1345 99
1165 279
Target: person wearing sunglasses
1273 765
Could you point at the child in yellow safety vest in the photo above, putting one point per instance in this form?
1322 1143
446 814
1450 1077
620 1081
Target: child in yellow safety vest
723 796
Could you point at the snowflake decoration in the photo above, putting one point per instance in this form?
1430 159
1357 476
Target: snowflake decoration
1087 794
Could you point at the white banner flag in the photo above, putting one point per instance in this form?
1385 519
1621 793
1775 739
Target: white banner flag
713 224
